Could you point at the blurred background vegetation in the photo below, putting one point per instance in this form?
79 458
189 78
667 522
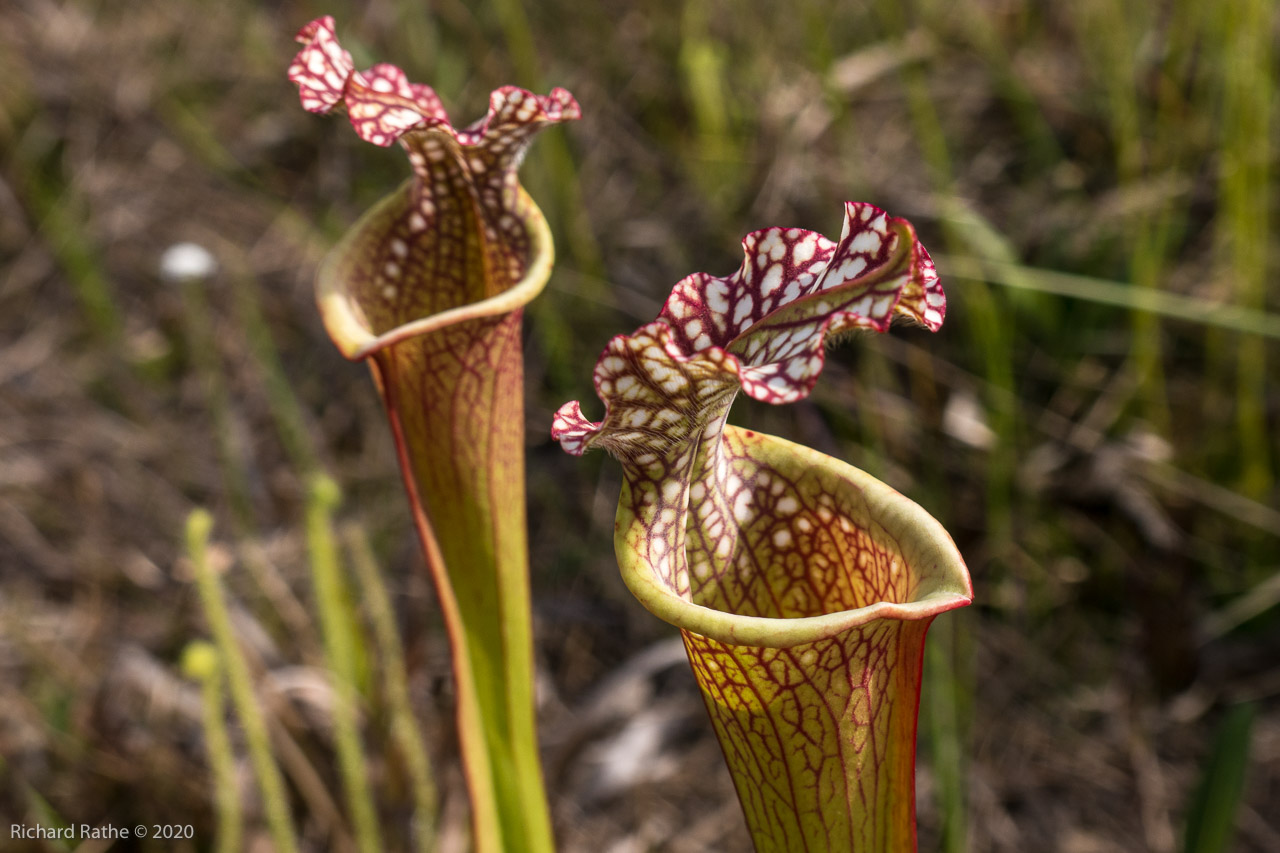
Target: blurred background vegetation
1096 423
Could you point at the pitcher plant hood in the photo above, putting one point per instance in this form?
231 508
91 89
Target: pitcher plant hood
461 239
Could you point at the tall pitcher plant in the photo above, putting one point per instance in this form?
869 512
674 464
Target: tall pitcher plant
803 587
428 288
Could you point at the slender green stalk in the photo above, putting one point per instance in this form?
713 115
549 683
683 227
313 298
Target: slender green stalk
1111 32
1245 51
1211 816
715 161
987 327
978 24
281 399
552 177
60 219
204 355
40 810
874 373
275 802
556 174
200 662
942 690
404 729
1205 312
340 646
284 407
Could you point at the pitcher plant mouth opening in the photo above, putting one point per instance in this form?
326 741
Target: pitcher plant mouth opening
345 315
803 587
428 287
882 555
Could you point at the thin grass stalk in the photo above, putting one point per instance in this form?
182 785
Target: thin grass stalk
404 728
552 177
873 373
942 697
282 402
1112 35
200 661
986 324
59 217
988 329
235 472
40 809
556 174
716 160
1243 224
1214 803
204 357
1150 142
979 26
1204 312
340 646
1170 144
275 803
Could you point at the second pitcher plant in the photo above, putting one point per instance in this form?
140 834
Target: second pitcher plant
803 587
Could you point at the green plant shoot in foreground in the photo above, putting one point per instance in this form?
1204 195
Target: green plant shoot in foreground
803 587
428 288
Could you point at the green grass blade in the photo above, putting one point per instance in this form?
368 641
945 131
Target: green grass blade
283 402
201 342
986 325
942 694
275 802
341 646
1243 232
1206 312
200 662
1211 814
58 212
41 812
404 729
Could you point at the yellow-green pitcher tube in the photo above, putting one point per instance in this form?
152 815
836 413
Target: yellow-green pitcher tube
810 667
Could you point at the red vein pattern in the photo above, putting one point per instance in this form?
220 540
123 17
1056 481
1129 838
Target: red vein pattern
429 287
803 588
822 750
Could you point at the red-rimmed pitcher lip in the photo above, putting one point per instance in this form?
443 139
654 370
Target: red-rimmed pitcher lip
356 341
938 578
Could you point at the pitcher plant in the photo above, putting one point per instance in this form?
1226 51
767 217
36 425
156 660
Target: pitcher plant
802 587
428 288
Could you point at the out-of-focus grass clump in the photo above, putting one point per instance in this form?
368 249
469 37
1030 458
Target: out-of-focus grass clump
1096 424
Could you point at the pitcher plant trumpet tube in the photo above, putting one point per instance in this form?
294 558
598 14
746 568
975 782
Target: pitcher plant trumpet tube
428 288
802 586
